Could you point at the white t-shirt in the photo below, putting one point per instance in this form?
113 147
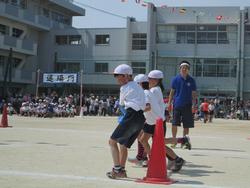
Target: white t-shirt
155 112
211 107
132 96
159 97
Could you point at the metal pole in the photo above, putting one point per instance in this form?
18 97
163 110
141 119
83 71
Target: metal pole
155 60
81 109
37 82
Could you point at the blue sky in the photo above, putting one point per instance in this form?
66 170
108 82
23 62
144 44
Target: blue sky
98 19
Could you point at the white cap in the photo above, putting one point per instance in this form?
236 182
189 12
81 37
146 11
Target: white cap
123 69
155 74
141 78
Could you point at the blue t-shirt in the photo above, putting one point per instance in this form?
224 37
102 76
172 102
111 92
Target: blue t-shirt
183 90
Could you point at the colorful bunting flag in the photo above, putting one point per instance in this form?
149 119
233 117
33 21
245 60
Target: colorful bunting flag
183 10
219 17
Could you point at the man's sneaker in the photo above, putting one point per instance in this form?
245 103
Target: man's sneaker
187 143
135 161
117 174
170 164
178 164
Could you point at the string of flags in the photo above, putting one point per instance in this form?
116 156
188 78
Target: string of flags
178 10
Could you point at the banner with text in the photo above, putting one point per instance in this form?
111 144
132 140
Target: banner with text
54 78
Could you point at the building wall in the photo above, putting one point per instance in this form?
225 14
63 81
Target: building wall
170 52
32 47
162 49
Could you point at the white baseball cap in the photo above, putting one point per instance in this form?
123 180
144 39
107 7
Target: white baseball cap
123 69
155 74
141 78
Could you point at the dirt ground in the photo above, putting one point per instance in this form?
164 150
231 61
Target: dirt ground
74 152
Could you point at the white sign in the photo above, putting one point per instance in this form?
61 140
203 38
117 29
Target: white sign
59 78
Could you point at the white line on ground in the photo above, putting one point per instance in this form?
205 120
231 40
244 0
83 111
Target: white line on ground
85 178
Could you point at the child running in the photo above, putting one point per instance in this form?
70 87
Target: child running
151 113
156 87
133 99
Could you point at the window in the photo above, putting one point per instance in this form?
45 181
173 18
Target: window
198 68
4 29
57 17
247 34
102 39
206 34
181 37
20 3
101 67
222 38
165 34
61 40
17 32
67 20
46 12
23 4
209 68
215 68
68 39
75 39
223 68
14 2
139 41
185 34
67 67
2 59
138 67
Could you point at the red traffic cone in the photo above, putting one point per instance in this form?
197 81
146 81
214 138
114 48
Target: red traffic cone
157 168
4 121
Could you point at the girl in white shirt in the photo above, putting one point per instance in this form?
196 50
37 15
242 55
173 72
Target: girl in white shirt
156 88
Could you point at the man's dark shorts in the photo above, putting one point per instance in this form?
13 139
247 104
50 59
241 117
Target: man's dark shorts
183 115
129 128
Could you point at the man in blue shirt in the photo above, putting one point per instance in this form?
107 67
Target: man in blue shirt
182 93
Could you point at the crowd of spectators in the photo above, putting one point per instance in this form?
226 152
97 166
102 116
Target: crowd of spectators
60 106
227 109
53 105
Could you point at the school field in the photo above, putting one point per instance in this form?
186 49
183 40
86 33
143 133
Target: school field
74 153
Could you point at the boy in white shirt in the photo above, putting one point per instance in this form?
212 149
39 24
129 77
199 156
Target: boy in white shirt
133 99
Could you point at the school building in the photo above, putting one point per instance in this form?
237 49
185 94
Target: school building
216 41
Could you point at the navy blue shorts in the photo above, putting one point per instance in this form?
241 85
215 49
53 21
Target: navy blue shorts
129 128
183 115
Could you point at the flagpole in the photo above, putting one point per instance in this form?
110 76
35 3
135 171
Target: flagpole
37 82
81 108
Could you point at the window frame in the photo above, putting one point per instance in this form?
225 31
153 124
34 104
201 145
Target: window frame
139 41
102 39
104 67
139 67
